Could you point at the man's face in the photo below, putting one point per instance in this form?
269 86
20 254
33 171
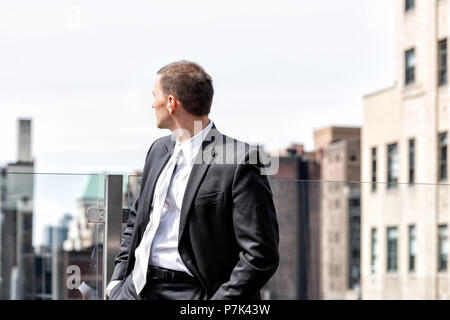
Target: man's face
160 104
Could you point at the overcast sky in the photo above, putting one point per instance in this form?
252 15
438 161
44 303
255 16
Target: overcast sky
84 71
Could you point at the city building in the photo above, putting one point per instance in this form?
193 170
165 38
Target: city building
56 235
48 262
337 151
81 234
297 204
317 198
16 220
405 196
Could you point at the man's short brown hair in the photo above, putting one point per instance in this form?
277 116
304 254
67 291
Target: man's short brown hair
190 84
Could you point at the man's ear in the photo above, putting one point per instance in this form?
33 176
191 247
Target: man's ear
171 104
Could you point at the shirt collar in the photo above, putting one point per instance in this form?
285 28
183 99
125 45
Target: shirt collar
191 146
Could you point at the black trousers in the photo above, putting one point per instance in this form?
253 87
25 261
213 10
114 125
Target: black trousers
158 290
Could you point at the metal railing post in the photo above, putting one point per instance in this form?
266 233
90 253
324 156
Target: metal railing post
113 225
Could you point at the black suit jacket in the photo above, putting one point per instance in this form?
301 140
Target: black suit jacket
228 233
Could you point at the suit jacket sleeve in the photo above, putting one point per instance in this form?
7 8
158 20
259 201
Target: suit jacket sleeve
256 229
122 257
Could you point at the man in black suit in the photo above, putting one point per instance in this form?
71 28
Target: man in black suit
204 223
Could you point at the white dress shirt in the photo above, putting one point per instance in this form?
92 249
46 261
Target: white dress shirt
164 249
164 252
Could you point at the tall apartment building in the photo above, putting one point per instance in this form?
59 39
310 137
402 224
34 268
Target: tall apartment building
405 204
337 151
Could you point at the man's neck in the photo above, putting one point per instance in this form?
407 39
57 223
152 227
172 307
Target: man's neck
188 129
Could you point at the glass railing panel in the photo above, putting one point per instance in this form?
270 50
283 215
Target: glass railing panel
48 247
356 240
338 239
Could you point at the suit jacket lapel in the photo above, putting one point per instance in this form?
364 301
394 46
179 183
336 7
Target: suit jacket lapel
203 160
149 189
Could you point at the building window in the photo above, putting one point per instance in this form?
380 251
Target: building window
410 63
392 236
373 250
442 62
392 160
412 248
374 169
354 240
442 247
354 203
409 4
443 156
411 160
